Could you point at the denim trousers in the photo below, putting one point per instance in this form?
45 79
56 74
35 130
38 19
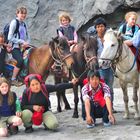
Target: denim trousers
108 76
96 111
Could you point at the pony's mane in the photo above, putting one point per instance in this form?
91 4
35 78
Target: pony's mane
110 30
89 40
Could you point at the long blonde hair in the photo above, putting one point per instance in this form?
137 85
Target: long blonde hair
10 94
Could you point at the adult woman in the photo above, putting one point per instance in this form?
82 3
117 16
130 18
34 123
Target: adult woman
36 99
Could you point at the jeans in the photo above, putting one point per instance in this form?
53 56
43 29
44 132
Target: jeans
96 111
2 61
17 55
107 75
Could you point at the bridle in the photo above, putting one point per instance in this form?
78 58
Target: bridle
58 57
118 57
87 58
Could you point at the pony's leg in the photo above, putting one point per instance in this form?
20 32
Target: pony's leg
58 93
76 100
67 105
135 99
125 98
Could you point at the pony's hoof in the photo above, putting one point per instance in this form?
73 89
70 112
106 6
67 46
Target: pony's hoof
136 117
59 109
126 116
75 115
68 107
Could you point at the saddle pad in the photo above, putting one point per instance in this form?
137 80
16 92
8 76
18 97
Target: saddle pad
133 49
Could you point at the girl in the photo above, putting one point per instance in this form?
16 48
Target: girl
9 109
35 102
129 29
66 29
19 38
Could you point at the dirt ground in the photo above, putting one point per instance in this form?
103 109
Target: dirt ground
75 129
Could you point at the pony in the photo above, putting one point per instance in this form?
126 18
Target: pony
120 55
85 58
40 59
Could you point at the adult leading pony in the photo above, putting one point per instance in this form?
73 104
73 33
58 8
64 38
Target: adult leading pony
120 55
42 58
84 56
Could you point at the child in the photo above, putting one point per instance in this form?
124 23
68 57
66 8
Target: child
135 41
9 110
19 40
129 29
35 103
96 97
66 29
3 49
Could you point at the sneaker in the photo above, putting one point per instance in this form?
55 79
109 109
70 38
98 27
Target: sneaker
107 124
29 129
16 83
90 125
13 129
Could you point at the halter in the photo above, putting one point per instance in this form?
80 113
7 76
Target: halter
58 57
88 59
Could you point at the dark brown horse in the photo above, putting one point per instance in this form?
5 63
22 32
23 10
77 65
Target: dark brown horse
42 58
84 56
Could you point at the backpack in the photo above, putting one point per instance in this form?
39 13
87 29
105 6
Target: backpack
124 28
6 30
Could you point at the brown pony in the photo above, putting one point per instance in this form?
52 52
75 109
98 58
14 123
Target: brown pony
42 58
84 56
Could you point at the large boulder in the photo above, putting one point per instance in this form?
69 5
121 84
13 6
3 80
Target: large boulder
42 18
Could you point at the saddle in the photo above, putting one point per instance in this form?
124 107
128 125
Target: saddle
133 49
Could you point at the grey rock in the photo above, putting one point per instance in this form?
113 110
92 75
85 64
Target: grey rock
42 19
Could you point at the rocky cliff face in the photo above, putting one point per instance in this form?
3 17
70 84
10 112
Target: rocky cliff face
42 18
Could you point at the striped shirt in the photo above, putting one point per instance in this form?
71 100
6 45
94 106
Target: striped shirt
87 89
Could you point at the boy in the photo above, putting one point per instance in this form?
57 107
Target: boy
96 97
106 71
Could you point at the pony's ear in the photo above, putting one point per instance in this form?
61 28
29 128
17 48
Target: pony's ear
56 39
84 36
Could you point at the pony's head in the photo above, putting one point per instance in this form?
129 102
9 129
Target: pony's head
90 47
111 50
61 51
